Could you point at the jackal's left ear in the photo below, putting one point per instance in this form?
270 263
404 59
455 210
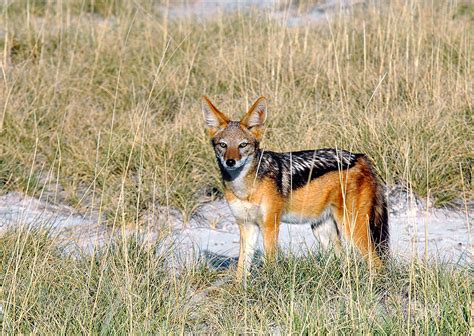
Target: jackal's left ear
257 114
214 118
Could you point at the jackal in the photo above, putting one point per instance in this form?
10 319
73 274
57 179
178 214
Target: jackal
335 191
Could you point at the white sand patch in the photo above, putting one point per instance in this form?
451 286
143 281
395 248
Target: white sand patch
436 234
18 211
274 9
212 232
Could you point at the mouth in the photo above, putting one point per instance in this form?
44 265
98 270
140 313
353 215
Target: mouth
233 168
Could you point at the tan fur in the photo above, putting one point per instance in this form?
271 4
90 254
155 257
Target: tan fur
348 194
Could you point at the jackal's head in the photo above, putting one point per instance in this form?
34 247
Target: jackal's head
235 142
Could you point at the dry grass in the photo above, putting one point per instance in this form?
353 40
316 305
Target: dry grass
101 99
101 109
126 288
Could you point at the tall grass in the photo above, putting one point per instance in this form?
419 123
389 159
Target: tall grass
101 99
126 287
101 109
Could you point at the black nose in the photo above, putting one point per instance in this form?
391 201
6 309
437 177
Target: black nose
230 162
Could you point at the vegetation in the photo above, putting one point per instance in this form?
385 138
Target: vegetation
101 109
126 287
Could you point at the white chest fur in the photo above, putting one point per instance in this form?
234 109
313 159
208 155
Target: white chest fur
239 188
245 211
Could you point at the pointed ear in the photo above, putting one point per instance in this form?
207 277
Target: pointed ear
213 117
257 114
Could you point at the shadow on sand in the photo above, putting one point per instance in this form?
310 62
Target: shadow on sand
222 262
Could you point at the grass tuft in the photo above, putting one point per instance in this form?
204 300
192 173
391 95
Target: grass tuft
127 287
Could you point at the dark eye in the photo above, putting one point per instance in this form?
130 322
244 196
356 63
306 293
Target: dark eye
243 144
223 144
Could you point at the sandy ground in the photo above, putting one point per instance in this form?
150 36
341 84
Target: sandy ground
415 230
275 9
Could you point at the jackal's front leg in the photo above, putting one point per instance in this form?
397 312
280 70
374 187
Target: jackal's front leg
248 240
270 230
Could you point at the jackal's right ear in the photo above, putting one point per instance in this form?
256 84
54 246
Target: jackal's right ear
214 118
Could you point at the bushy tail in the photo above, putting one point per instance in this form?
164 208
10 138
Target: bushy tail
379 222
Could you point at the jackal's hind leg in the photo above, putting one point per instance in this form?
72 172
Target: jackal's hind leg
355 226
